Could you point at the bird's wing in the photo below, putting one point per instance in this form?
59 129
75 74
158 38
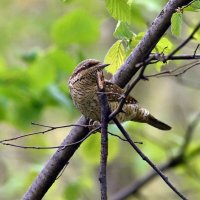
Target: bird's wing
114 93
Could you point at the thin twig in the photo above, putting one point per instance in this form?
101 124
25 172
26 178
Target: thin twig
105 111
80 141
57 127
143 65
184 42
171 163
175 72
183 7
123 138
59 175
32 147
164 58
115 135
51 128
144 157
61 147
40 185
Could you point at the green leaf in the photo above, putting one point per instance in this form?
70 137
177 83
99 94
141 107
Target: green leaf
194 7
196 4
77 27
176 23
119 9
149 6
197 36
163 46
122 31
136 39
136 16
115 57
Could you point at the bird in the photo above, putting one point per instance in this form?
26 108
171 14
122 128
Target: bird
84 92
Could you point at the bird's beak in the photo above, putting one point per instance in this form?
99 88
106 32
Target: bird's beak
102 66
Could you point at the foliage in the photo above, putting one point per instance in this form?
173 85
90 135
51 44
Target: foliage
115 56
40 46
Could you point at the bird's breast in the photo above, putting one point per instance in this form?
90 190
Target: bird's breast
85 98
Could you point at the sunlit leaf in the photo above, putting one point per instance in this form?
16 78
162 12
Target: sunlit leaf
136 39
115 57
119 10
163 46
176 23
196 4
197 36
122 31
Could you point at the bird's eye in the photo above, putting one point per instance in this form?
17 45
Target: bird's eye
89 65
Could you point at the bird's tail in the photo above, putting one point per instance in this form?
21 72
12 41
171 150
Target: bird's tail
156 123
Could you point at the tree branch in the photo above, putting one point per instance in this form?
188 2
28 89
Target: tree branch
144 157
148 42
58 161
185 41
105 111
179 159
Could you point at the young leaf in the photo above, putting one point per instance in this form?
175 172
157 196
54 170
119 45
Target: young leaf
119 10
122 31
115 57
163 46
196 4
176 23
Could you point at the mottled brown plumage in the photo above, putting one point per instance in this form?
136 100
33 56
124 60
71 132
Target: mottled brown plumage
83 89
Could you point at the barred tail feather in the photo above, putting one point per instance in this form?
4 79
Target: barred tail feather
156 123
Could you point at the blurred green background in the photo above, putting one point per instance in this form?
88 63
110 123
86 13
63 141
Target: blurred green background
41 42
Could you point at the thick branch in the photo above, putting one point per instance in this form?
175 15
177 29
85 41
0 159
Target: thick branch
148 42
58 161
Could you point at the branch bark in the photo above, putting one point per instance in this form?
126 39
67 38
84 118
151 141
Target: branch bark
158 27
60 158
57 162
105 111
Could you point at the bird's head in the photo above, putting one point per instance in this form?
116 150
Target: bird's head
87 68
